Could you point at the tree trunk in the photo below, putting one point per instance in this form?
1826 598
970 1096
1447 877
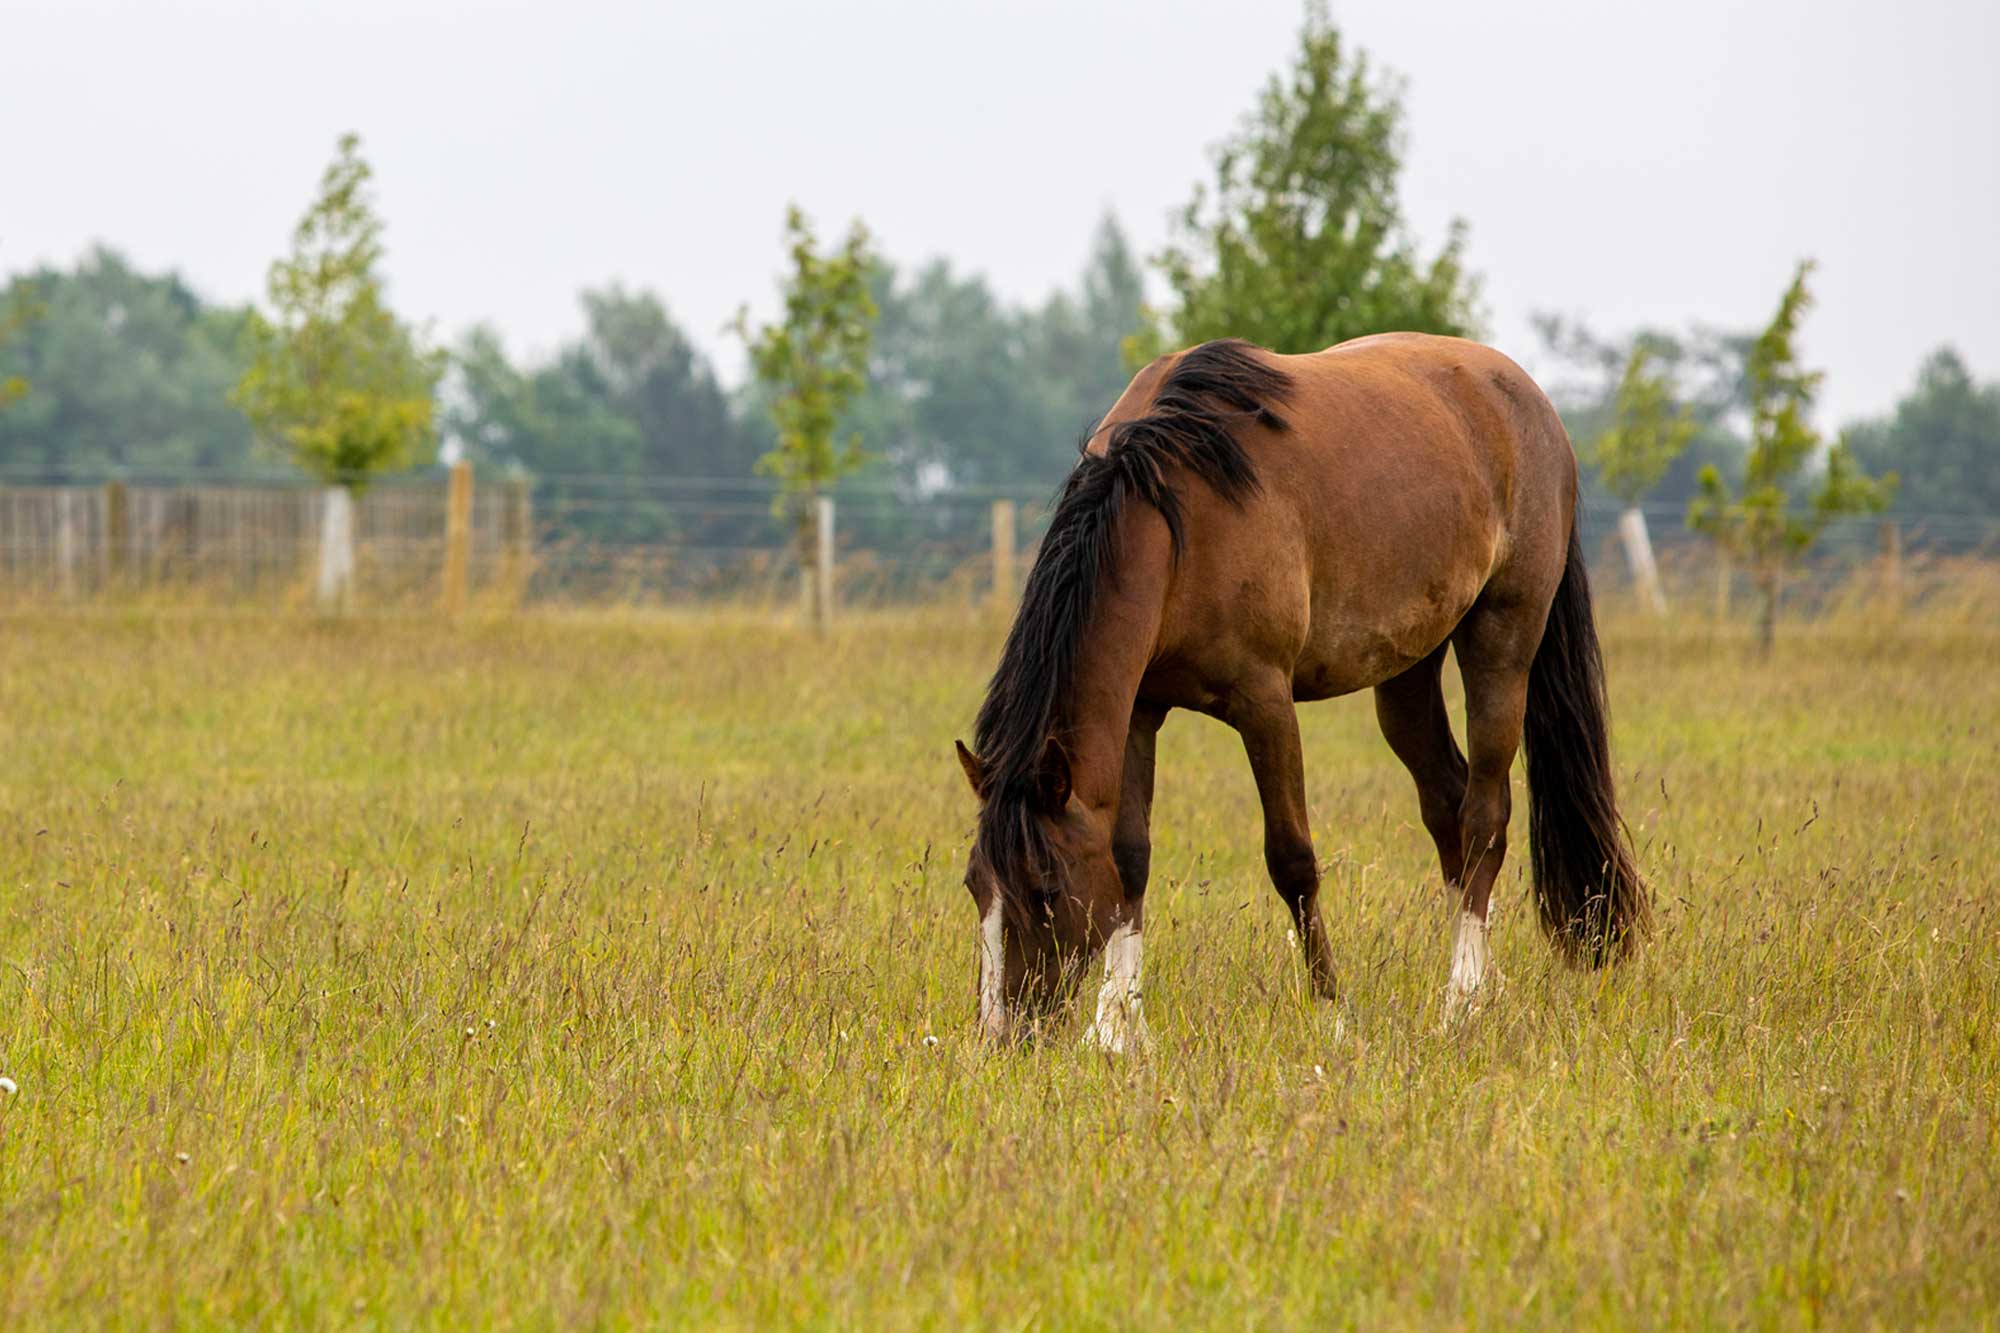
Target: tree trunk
805 544
1767 610
823 561
1639 555
336 549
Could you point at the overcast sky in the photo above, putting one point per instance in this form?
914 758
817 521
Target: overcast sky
1625 162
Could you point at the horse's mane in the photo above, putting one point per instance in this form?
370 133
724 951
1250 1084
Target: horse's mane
1210 391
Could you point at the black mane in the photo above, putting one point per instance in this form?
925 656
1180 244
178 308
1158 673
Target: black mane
1211 390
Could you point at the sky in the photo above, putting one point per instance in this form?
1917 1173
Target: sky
1626 163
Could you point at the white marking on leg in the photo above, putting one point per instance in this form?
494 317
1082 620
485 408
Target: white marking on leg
1121 1019
1470 955
992 972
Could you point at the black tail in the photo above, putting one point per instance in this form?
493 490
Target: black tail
1592 903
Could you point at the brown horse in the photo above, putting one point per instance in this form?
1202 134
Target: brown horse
1245 531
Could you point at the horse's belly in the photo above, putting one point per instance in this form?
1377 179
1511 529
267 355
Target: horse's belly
1364 634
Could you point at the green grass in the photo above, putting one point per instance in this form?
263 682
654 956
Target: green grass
572 971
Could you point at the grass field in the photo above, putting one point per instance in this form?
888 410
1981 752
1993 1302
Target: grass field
574 971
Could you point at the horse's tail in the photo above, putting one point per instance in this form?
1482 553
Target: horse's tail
1592 903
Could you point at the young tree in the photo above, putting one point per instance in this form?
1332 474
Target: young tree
1301 242
813 361
1756 524
1633 453
336 380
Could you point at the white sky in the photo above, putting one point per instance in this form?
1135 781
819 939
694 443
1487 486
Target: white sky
1621 161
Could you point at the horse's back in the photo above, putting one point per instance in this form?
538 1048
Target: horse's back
1415 475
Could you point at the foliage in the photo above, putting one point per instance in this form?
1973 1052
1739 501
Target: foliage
336 381
814 359
130 372
1703 367
1648 433
17 309
578 972
966 392
1943 440
1757 522
620 413
1301 242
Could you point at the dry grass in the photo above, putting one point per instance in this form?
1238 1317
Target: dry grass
579 970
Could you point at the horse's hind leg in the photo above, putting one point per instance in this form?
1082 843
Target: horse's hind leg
1410 709
1269 725
1496 645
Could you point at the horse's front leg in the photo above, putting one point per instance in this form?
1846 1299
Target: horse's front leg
1121 1020
1269 725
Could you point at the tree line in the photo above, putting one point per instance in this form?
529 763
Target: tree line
935 385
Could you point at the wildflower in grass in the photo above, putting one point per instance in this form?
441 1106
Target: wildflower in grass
8 1086
930 1040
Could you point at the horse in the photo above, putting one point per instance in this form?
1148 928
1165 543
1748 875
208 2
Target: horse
1246 531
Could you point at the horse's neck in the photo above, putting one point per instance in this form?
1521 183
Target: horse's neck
1111 662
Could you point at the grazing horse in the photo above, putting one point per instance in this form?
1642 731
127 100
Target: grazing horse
1245 531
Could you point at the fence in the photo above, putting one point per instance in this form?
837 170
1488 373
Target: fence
456 541
448 539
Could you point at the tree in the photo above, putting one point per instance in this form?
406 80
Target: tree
1633 453
1074 349
336 380
130 372
813 361
14 317
1756 524
1944 440
1705 368
1301 242
965 391
632 399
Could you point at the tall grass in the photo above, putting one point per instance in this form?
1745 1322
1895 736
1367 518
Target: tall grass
585 970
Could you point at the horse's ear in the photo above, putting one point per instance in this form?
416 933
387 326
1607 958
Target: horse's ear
969 761
1053 777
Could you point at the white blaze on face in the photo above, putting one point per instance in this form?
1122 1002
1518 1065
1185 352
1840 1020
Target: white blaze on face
1469 958
1120 1022
992 972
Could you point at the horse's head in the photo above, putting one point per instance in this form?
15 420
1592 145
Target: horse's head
1047 891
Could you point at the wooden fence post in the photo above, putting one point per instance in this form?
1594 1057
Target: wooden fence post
517 537
1003 553
1892 565
117 531
823 603
457 537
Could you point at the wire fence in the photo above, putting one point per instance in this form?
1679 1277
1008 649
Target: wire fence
602 539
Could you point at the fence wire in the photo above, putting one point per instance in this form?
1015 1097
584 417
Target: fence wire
586 538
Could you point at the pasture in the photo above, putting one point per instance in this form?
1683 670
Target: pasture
600 969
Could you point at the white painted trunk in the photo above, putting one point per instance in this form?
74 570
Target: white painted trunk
66 543
1639 555
823 525
336 549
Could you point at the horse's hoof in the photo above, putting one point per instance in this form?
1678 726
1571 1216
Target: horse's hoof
1117 1038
